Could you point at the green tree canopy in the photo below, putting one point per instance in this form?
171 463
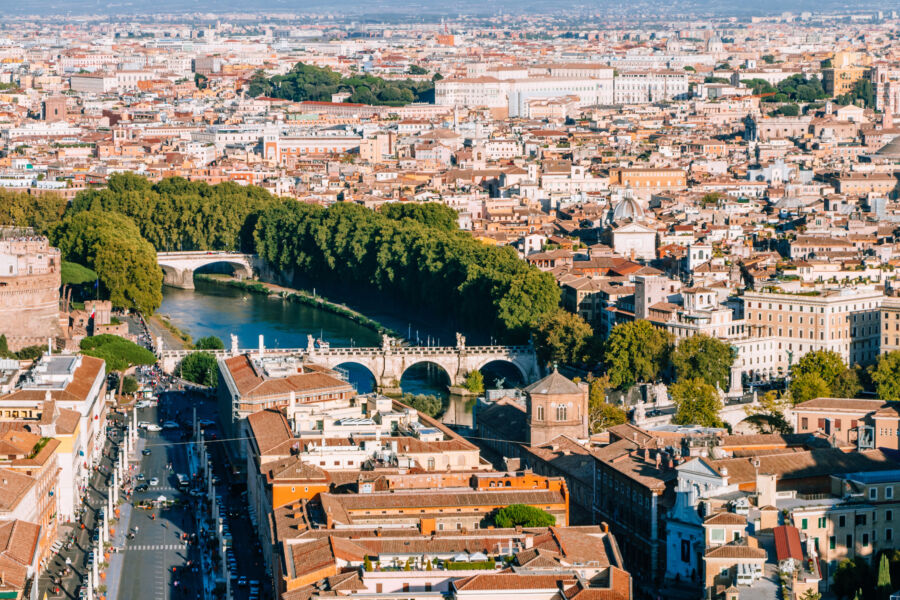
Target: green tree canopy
769 416
808 386
635 352
822 373
851 576
209 342
696 402
200 368
563 337
416 266
119 353
177 214
886 376
308 82
475 382
883 586
111 245
424 403
523 515
705 357
41 212
432 214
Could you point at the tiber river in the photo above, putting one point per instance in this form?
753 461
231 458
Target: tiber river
215 309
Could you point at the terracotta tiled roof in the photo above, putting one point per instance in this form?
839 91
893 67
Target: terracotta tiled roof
725 518
506 580
739 551
270 429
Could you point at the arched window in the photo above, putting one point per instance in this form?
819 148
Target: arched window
561 412
539 412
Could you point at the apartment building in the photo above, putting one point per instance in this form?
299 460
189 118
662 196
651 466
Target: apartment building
845 321
859 518
640 87
67 393
648 178
890 319
249 384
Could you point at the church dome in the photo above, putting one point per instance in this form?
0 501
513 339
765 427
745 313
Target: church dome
627 208
890 150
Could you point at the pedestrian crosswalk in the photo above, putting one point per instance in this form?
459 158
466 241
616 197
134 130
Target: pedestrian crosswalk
152 547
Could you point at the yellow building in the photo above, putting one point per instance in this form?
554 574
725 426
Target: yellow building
847 68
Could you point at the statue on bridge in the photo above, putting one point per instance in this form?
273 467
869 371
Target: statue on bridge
386 342
460 341
310 343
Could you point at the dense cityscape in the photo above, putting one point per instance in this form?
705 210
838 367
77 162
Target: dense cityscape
403 301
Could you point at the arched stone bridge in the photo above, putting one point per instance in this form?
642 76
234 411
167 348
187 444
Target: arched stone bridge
388 362
178 267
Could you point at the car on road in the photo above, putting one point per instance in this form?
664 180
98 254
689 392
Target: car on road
206 422
154 481
143 424
146 452
242 581
142 487
140 477
153 427
170 425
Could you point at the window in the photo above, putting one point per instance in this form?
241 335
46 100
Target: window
561 412
803 524
873 493
889 492
842 521
888 534
888 515
849 541
860 520
717 535
540 412
821 522
804 423
686 551
831 543
865 540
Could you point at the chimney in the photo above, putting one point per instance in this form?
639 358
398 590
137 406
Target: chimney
604 526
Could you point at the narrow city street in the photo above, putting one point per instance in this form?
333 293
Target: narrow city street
67 571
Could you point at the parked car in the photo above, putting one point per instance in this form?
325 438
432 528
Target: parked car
146 452
154 481
153 427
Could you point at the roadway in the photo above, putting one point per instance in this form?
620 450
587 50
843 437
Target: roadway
157 546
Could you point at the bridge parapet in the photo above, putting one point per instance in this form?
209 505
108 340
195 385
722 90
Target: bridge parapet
388 364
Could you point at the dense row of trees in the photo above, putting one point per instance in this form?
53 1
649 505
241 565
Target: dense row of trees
796 88
25 210
308 82
432 214
448 272
177 214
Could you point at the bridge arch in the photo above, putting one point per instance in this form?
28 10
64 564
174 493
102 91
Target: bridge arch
238 267
179 267
522 371
447 374
360 374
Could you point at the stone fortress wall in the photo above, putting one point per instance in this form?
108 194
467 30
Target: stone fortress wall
29 289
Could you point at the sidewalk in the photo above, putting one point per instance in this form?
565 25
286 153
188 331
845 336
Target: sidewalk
117 559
